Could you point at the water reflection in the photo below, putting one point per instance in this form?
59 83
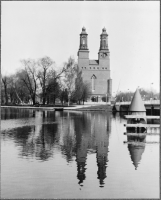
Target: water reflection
82 133
73 134
94 138
136 140
35 141
102 143
12 113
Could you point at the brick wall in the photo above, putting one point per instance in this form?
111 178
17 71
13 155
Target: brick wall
100 82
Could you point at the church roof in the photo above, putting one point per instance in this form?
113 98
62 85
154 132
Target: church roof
93 62
137 103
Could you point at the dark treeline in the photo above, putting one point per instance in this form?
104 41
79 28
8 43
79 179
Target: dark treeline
40 82
145 94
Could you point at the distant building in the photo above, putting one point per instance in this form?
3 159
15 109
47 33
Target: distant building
96 72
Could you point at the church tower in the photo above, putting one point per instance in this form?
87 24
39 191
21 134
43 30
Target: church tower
104 54
104 58
83 53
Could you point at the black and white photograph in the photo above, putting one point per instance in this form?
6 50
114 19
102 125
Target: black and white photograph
80 100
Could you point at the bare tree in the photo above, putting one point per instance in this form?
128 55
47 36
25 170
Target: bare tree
44 63
70 75
78 86
82 89
29 77
5 81
53 90
86 91
47 75
21 91
10 91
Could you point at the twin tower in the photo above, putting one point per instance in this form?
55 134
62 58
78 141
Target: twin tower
96 72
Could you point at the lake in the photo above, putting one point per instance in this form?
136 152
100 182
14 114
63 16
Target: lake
74 154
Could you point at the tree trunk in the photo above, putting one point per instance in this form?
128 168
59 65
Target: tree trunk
43 89
6 95
43 102
33 99
62 101
68 101
54 100
18 96
48 99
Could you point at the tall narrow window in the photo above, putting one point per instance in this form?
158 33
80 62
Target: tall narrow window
104 43
93 82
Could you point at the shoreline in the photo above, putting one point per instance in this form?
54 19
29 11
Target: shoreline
93 107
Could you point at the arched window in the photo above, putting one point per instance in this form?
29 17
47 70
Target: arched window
93 82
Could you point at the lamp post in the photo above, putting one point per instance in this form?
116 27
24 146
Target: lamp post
114 96
120 96
141 93
128 95
69 96
152 90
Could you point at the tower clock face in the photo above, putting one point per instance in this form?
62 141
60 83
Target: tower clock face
103 55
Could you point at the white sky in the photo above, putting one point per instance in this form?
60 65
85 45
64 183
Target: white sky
51 28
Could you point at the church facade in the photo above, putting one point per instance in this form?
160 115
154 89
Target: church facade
96 72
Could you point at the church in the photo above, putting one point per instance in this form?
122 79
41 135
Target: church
96 72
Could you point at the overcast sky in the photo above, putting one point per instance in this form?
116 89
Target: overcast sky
51 28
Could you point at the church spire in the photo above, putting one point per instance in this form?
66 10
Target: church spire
103 40
104 52
83 40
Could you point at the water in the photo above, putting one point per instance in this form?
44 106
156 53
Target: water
46 154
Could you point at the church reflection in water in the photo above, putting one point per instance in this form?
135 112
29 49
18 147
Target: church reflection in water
75 134
93 136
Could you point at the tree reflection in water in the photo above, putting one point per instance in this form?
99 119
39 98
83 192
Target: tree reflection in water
35 141
73 133
12 113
